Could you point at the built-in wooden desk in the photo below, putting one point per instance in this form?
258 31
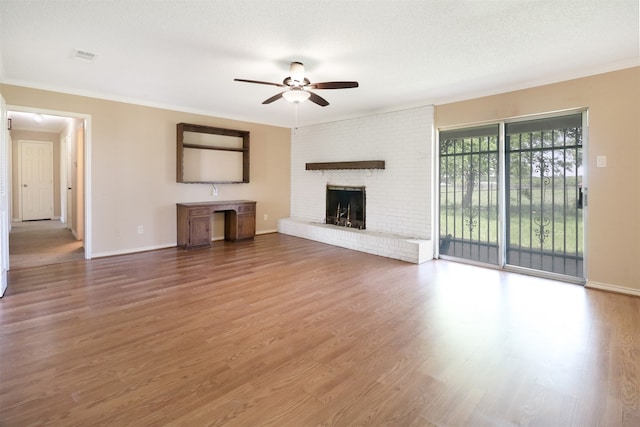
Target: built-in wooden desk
194 221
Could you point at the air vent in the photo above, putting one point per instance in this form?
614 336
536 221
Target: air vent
83 55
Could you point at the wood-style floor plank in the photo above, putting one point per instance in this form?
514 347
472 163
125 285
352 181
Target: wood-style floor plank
283 331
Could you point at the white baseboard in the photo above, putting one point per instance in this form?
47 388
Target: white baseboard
55 218
266 232
613 288
133 250
153 248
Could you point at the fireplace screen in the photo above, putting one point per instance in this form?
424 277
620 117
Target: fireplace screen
346 206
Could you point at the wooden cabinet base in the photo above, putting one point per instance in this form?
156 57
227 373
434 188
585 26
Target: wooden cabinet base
194 221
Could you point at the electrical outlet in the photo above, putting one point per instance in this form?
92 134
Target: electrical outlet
140 229
266 217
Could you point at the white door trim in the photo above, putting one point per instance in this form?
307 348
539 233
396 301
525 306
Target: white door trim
5 185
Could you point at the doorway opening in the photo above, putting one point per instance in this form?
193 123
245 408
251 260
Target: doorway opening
60 235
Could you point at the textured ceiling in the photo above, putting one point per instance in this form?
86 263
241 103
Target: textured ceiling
185 54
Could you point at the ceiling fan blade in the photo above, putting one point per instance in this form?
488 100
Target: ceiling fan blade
259 82
273 98
318 99
334 85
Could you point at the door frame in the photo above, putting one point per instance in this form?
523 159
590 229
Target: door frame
86 158
65 181
5 196
20 170
502 265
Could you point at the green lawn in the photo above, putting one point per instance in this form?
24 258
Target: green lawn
562 223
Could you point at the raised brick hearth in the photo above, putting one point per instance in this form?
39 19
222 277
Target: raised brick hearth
387 245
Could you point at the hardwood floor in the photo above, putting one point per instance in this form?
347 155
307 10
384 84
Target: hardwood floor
284 331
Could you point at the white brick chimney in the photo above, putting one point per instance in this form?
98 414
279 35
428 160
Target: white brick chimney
399 198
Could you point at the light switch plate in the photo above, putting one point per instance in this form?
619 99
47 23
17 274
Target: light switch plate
601 161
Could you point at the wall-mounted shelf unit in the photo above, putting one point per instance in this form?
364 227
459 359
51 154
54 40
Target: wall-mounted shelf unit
211 155
366 164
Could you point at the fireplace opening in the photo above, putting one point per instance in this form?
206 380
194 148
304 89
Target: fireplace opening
346 206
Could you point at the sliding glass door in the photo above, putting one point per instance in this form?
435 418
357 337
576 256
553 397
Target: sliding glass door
517 204
469 202
544 195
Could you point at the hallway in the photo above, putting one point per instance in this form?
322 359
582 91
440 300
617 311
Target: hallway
37 243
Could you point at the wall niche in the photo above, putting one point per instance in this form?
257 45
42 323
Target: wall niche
212 155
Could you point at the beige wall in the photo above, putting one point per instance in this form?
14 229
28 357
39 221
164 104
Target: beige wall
16 137
133 167
613 101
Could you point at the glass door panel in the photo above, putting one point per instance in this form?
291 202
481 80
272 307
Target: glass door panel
469 197
544 221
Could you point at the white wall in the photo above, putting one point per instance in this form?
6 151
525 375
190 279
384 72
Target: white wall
399 198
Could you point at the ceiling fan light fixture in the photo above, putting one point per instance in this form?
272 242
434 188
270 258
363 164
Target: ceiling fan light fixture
296 96
297 72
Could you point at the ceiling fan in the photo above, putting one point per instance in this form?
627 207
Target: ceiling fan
298 87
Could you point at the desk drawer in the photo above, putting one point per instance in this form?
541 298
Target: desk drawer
199 212
246 208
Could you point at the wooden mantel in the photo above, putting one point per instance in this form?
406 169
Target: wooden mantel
365 164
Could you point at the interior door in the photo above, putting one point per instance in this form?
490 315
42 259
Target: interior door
36 179
4 197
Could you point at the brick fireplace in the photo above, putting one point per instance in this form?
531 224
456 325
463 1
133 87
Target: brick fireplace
397 200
